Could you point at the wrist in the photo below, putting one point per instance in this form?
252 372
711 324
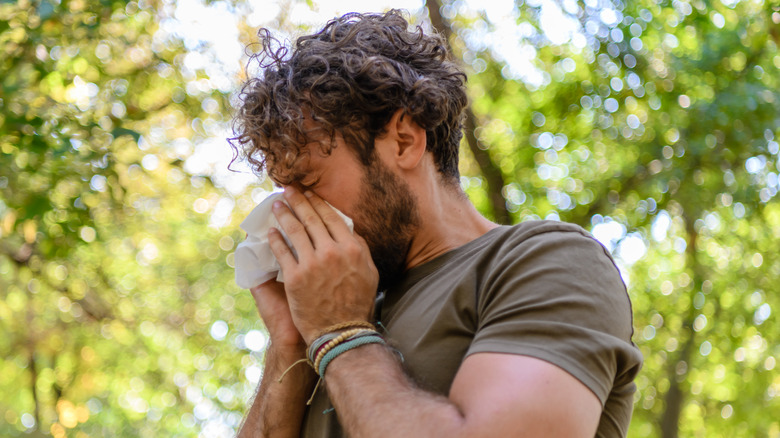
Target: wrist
284 351
279 357
314 334
287 366
323 362
339 339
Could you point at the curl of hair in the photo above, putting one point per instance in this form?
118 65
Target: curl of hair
349 78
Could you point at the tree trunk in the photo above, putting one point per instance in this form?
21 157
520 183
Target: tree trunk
675 396
31 364
489 169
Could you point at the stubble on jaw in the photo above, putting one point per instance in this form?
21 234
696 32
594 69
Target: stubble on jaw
387 217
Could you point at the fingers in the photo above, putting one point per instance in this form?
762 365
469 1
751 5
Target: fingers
362 242
313 227
295 230
271 284
261 291
366 250
334 223
281 251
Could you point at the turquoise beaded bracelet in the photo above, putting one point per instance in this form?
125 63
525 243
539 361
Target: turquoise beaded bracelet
346 346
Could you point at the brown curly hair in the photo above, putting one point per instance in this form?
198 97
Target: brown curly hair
349 78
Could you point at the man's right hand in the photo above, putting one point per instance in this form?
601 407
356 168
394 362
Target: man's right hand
271 302
277 411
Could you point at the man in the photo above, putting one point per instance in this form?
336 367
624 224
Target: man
491 331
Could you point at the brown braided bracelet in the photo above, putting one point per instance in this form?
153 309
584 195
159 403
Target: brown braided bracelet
332 343
344 325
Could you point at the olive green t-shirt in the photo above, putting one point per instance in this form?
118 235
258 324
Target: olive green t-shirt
541 289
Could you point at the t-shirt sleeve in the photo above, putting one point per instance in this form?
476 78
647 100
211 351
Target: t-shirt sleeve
557 296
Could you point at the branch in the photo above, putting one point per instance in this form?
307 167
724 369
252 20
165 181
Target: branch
489 169
675 397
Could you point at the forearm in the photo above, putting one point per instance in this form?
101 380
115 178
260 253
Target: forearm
278 407
373 397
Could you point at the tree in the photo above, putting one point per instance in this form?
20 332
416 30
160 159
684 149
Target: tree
115 284
657 122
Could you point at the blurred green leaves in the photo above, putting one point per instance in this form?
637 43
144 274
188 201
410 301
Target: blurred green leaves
656 127
111 271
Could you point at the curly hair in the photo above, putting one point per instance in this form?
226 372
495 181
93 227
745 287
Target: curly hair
349 78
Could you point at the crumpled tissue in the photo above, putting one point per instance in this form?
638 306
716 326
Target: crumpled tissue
255 263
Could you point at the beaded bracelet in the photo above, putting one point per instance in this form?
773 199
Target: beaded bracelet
344 347
318 343
328 341
316 346
332 343
331 332
344 325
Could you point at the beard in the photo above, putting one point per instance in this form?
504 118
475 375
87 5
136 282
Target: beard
388 220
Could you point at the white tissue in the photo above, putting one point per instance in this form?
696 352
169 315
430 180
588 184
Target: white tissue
255 263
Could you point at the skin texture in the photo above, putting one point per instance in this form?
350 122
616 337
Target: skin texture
388 219
334 280
281 411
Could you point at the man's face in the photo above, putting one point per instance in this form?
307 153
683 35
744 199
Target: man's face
388 219
380 203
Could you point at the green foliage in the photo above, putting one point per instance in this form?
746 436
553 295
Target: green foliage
113 275
664 121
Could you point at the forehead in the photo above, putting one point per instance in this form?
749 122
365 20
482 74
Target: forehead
290 157
320 143
313 130
322 152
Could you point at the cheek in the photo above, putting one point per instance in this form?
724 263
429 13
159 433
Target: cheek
343 198
341 182
351 208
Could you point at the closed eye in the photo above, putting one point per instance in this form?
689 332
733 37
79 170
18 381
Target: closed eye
310 183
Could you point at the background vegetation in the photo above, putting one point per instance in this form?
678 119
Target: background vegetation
653 123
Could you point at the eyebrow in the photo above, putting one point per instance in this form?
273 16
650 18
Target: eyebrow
316 132
306 176
310 185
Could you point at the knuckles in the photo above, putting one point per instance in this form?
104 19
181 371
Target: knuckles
330 216
353 251
278 245
294 227
349 253
329 253
310 220
291 278
257 292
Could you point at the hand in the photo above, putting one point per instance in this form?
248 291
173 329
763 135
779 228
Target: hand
333 279
272 304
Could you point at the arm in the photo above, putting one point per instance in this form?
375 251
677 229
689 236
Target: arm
492 395
277 410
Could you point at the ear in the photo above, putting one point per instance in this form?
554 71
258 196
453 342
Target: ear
406 140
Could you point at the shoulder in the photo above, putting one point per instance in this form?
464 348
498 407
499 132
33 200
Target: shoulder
565 245
554 293
543 230
555 271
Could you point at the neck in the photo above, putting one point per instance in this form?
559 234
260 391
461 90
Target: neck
448 220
